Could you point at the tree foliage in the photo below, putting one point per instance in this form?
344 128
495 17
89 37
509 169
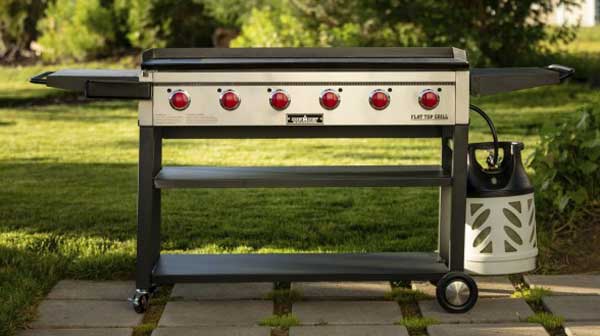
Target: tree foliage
267 28
182 23
18 26
495 32
136 18
75 29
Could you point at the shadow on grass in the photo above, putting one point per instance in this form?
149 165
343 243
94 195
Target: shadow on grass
92 111
50 97
7 123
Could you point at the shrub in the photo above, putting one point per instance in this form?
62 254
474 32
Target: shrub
182 23
75 30
18 20
136 18
495 32
267 28
78 30
567 171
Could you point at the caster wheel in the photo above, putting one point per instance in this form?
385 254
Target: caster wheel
141 303
456 292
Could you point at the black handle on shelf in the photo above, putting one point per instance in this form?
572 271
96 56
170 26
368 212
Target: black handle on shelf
564 71
41 78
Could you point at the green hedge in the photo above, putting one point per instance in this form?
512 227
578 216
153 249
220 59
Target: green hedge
567 172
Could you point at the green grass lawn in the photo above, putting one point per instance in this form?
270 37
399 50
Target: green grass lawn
68 200
587 41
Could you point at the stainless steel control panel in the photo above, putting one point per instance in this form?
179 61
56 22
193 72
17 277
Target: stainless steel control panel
402 93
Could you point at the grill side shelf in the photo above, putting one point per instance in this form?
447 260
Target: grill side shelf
488 81
118 84
304 176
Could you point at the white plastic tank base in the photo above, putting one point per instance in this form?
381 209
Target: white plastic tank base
500 237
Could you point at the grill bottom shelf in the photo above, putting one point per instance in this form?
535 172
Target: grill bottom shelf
176 268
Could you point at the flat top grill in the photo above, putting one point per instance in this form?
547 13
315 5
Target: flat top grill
303 93
343 58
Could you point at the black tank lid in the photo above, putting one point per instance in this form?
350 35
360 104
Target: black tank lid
508 179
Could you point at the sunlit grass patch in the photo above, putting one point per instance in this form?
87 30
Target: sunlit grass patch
406 295
280 321
547 320
532 295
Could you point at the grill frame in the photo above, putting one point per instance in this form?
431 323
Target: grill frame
175 68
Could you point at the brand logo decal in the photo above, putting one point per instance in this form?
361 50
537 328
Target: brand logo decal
305 119
437 116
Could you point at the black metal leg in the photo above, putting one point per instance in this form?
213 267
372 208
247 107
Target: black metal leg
459 197
446 155
148 235
445 206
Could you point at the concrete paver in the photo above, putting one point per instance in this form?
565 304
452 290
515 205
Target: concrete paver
91 308
347 312
92 290
488 286
215 313
77 332
381 330
513 329
221 291
566 284
486 310
574 308
343 290
85 314
583 328
213 331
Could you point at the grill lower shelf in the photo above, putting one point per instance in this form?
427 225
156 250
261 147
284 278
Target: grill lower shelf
306 176
175 268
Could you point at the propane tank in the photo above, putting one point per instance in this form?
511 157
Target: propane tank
500 237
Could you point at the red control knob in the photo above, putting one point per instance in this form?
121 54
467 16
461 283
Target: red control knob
280 100
379 99
429 100
230 100
329 99
179 100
